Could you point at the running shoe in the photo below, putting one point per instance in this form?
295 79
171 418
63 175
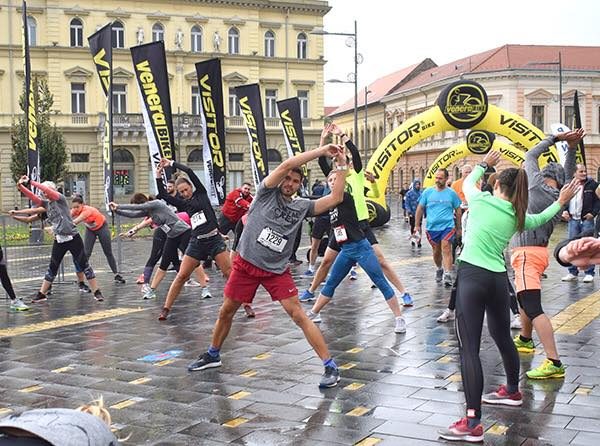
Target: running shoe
39 297
407 299
515 322
83 288
140 279
148 292
413 244
330 378
447 315
295 262
569 278
191 282
249 311
205 293
448 281
205 361
460 431
164 313
546 370
309 273
419 245
400 325
18 305
373 286
501 396
588 278
353 275
522 346
307 296
315 317
439 274
98 296
119 279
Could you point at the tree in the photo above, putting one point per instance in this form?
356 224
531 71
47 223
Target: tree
51 143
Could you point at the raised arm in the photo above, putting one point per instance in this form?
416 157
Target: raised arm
28 193
374 191
82 216
573 139
190 173
470 183
50 193
532 221
356 160
336 196
164 195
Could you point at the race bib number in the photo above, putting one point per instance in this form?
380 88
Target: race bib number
198 219
340 234
166 228
63 238
272 240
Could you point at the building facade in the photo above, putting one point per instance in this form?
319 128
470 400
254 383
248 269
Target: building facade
258 41
523 79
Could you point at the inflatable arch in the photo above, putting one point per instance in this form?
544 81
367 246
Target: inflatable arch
461 105
479 142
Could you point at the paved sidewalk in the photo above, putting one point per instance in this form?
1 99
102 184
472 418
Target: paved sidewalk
395 389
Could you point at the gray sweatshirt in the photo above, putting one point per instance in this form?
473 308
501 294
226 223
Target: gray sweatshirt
160 214
62 427
541 195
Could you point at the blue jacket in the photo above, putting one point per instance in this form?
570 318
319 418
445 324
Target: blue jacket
411 199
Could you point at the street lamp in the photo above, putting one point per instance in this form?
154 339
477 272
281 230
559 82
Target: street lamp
353 42
559 63
367 91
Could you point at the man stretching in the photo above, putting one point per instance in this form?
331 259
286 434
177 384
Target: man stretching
264 250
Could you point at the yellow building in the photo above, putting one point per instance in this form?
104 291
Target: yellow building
268 42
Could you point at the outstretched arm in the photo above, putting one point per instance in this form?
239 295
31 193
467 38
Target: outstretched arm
356 160
337 192
28 193
50 193
190 173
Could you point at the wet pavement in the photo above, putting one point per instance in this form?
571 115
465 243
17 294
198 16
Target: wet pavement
396 389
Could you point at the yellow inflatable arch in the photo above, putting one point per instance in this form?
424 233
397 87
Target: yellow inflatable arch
461 105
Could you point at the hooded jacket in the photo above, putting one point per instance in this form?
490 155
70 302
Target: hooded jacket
411 199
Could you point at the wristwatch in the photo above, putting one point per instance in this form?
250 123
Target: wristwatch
484 165
344 167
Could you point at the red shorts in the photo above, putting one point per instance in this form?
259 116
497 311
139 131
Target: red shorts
529 263
245 279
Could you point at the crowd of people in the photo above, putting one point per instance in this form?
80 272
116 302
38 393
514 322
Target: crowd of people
524 204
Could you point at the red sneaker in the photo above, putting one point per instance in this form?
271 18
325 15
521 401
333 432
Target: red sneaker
460 431
140 279
501 396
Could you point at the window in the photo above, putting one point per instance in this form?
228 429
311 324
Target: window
77 98
303 98
76 32
271 103
123 172
537 116
196 39
80 157
274 159
234 104
158 32
119 95
235 178
195 100
118 35
233 41
236 157
269 44
302 46
32 30
569 116
77 184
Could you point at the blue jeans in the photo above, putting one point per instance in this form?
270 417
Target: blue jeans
576 227
362 253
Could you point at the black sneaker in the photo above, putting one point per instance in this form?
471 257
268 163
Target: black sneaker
330 378
83 288
119 279
40 297
205 361
98 296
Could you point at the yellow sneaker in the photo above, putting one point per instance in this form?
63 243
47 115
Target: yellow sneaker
547 370
523 347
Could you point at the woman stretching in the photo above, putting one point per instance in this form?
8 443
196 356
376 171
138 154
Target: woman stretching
482 286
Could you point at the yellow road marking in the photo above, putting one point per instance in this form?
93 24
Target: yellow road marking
235 422
358 411
63 369
67 321
371 441
262 356
5 410
497 429
126 403
249 373
239 395
355 350
143 380
354 386
576 316
30 389
446 359
347 366
582 390
164 362
455 378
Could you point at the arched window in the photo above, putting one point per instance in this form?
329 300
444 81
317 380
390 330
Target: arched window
195 160
302 46
269 44
158 32
76 28
367 139
196 39
456 175
118 35
123 172
412 174
381 135
233 41
274 159
32 30
401 178
421 173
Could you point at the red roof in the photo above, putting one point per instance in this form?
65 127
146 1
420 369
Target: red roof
329 110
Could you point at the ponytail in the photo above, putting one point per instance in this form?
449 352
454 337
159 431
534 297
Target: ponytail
514 184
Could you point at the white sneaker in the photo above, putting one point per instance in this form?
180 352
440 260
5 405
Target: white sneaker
400 325
315 317
447 315
515 322
569 278
588 278
148 292
191 282
205 293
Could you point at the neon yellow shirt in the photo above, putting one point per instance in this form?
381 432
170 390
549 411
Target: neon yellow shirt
356 188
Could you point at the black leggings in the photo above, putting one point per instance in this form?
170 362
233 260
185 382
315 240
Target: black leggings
480 290
171 246
158 243
6 283
75 247
514 306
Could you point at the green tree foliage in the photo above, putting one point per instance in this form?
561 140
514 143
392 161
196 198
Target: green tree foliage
51 143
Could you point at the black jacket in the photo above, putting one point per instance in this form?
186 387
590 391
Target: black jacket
591 203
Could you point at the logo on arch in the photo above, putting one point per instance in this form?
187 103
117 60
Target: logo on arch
480 142
463 103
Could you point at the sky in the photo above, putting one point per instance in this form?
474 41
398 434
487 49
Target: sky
393 34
